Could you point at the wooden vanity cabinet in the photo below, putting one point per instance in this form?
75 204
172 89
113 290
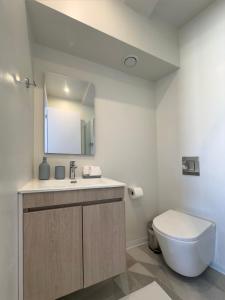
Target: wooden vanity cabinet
103 241
52 253
67 247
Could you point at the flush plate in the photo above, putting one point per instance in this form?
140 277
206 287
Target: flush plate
190 165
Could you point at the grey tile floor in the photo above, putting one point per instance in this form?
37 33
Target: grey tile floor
144 267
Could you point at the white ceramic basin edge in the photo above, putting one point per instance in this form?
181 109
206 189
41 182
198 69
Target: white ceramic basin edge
38 186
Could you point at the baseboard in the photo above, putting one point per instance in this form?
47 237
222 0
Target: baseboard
217 268
135 243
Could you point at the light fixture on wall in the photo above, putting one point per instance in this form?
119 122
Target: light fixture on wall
26 81
130 61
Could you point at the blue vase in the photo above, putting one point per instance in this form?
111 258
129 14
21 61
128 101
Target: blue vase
44 170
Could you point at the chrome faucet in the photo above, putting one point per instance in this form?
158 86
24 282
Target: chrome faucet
73 169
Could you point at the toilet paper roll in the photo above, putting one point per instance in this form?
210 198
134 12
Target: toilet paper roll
135 192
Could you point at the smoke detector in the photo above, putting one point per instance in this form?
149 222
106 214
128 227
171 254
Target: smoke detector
130 61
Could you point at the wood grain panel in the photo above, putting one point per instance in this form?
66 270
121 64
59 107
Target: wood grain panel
46 199
103 241
52 253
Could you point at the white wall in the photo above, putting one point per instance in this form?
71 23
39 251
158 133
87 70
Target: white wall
125 129
191 122
116 19
16 136
86 112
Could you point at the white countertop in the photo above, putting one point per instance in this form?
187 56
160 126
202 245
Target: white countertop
51 185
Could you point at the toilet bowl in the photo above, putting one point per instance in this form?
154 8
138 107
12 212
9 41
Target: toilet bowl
187 242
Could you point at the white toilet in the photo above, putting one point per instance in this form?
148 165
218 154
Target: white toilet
187 242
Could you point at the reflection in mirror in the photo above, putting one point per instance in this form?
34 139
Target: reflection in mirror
69 115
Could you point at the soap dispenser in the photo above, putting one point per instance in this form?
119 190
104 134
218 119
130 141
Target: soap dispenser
44 170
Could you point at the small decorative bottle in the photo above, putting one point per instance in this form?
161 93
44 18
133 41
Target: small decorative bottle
44 170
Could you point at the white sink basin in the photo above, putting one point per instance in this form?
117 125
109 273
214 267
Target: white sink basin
37 186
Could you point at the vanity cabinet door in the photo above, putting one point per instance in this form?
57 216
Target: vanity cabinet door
52 253
103 241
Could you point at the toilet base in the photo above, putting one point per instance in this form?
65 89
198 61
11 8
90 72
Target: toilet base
189 259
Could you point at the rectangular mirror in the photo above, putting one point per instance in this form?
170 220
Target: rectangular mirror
69 115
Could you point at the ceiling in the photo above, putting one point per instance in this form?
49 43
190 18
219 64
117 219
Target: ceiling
60 86
58 31
175 12
63 87
144 7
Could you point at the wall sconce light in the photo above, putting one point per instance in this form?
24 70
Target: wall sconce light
26 81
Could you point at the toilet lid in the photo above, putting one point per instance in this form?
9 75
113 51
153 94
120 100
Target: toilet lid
181 226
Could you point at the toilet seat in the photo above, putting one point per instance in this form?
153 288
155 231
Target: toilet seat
180 226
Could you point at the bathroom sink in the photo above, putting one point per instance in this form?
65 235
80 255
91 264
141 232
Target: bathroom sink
37 186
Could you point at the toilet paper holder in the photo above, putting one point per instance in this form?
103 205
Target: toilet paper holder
135 192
